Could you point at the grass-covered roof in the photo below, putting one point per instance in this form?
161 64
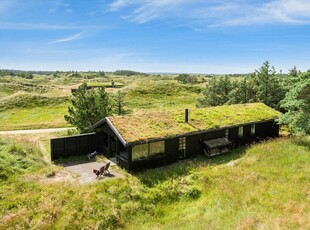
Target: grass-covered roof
145 126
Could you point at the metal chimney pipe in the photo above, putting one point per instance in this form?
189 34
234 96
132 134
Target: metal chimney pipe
186 115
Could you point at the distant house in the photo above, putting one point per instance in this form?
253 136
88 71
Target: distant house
152 139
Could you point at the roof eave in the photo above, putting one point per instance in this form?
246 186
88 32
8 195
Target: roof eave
115 131
112 127
96 125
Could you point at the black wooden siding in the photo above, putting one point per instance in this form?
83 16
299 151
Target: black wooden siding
75 145
194 143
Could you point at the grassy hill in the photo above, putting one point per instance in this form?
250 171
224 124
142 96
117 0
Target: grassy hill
264 186
43 101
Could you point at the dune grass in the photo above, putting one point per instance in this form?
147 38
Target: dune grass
34 118
42 102
26 100
160 95
264 186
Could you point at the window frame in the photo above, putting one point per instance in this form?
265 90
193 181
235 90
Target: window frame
182 147
227 133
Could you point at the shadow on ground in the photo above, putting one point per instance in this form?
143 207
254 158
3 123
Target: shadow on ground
76 160
107 175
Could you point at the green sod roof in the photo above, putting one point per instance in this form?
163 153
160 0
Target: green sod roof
145 126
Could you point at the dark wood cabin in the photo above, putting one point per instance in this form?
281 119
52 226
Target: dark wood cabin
154 139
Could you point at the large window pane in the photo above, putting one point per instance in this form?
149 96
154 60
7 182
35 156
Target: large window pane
157 148
140 152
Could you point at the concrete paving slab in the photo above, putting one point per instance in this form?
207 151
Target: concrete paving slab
86 175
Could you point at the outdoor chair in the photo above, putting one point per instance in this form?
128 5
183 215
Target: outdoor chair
106 168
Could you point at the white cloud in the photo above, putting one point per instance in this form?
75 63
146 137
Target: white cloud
68 39
60 5
274 12
118 4
147 10
217 12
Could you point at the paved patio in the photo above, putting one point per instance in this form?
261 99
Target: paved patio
85 174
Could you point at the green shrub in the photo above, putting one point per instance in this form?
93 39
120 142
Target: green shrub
111 220
193 193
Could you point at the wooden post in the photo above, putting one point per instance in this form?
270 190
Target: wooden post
129 154
117 146
186 115
109 146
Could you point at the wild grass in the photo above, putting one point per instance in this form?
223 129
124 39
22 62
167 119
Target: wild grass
160 95
263 186
16 158
51 116
26 100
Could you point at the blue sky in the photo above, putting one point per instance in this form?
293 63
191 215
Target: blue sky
194 36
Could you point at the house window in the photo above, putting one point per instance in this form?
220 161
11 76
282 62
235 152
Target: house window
182 147
240 131
156 148
140 152
253 129
146 151
227 133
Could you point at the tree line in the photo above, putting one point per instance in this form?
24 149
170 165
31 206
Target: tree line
289 94
264 85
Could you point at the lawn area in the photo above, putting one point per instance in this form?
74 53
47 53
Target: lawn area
263 186
51 116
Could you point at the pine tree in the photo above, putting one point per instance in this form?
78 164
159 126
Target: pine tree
269 88
216 93
297 105
119 102
293 76
240 92
88 107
